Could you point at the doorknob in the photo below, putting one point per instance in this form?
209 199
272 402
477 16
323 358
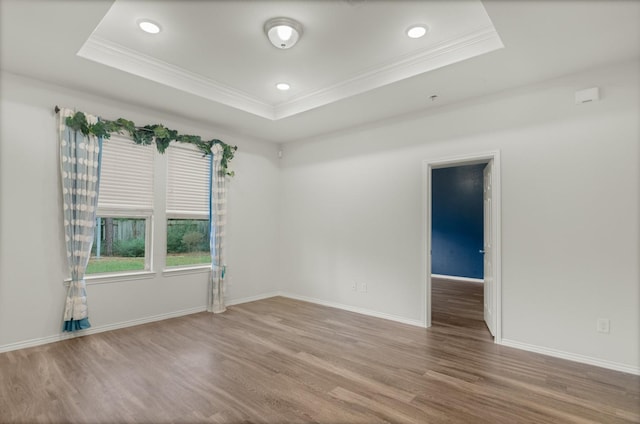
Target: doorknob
481 251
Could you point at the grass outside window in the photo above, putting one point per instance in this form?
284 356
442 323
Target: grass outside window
187 242
119 245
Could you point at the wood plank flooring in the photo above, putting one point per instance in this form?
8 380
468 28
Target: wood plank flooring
284 361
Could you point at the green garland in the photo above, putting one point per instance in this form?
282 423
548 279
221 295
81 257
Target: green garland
148 134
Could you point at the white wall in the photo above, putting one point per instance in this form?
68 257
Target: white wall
348 207
32 262
352 210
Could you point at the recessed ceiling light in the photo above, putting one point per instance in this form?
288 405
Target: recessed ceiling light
283 86
148 26
416 31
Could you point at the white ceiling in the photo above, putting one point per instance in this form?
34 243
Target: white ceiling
213 49
353 65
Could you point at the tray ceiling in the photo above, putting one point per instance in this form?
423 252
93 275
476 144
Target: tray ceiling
218 50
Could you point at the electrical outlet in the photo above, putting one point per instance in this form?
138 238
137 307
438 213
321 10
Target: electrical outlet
603 325
354 285
363 287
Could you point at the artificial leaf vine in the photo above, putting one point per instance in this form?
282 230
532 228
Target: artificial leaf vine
149 134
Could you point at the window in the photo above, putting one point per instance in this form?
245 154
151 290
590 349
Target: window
187 242
121 246
188 175
122 240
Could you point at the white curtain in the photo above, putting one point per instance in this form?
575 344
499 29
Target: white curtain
80 177
217 221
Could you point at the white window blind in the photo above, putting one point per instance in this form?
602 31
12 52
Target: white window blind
126 175
187 180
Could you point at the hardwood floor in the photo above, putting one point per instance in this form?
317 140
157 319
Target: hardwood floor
284 361
458 306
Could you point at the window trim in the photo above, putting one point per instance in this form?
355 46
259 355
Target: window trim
116 277
187 215
186 270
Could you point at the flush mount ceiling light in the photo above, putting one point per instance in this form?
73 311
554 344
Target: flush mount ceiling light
416 31
149 26
283 33
283 86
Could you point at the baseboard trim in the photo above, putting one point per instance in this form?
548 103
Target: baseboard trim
100 329
505 342
356 309
131 323
616 366
262 296
456 278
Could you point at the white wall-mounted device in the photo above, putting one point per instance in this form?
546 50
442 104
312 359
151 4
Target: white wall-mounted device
587 95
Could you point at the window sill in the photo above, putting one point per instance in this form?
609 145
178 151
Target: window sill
199 269
114 277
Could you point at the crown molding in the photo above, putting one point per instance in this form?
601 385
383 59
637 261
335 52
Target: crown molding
483 40
134 62
466 46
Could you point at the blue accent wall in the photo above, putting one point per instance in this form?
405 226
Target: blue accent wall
457 221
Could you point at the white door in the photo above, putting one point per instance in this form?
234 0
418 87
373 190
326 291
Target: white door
489 285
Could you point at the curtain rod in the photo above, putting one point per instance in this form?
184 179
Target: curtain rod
56 109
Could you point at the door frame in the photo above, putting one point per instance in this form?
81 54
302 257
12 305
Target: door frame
428 165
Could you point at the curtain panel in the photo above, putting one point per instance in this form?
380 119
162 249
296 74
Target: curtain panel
217 221
80 157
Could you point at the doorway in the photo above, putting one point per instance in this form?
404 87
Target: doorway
491 249
457 231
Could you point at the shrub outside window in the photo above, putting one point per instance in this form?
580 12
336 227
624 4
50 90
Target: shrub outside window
119 245
187 242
